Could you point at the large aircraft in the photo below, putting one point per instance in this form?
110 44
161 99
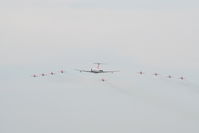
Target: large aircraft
96 70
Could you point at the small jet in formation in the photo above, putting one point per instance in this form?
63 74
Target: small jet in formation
103 80
96 70
141 73
52 73
169 76
181 78
62 71
34 75
156 74
45 74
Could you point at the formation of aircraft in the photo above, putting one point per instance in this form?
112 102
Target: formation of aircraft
96 70
47 74
157 74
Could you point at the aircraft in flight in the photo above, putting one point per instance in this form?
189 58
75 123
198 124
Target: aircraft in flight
96 70
47 74
103 80
182 78
141 73
43 74
52 73
156 74
34 75
61 71
169 76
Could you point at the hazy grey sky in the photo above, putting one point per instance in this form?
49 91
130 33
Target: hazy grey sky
116 4
153 36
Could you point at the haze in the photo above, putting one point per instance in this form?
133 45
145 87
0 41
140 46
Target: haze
43 36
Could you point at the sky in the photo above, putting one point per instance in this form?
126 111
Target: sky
131 36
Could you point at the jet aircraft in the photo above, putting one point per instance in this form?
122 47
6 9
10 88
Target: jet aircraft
96 70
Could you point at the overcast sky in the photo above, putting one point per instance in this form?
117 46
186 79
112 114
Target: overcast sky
153 36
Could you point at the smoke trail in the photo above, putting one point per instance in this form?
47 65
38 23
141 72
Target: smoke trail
115 87
185 83
191 85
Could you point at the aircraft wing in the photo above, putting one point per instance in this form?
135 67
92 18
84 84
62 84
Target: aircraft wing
109 71
82 70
